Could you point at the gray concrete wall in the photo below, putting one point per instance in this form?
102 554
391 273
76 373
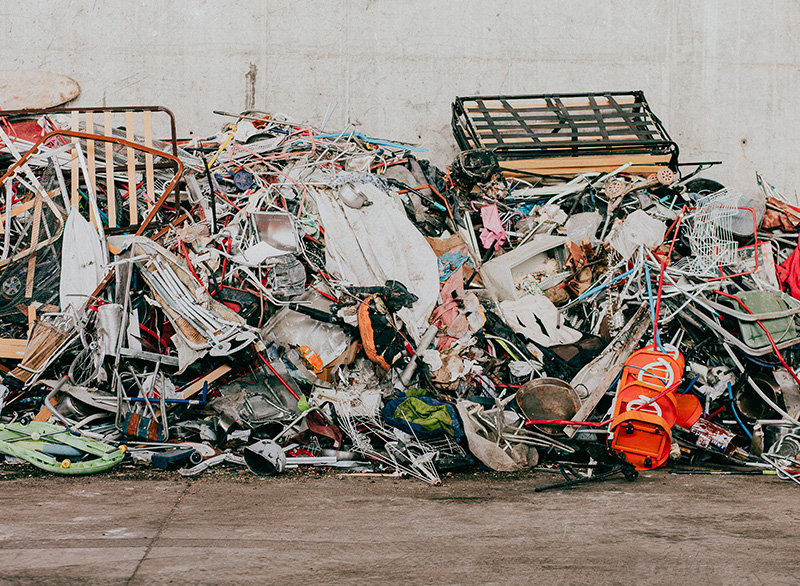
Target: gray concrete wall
721 74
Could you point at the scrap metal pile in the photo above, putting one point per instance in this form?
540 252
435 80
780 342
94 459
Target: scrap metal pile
567 295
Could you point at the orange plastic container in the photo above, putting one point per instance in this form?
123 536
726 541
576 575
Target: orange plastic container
641 429
644 439
689 410
651 367
635 395
311 358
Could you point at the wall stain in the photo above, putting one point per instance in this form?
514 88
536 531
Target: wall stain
250 89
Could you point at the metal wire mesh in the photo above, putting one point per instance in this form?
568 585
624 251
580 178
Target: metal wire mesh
710 236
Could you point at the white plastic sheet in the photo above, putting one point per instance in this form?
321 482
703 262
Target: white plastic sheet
81 262
484 444
535 317
638 229
372 244
583 226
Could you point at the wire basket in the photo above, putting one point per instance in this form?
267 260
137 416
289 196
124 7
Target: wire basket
710 232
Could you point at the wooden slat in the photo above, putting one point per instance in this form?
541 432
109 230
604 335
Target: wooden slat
74 176
570 166
44 413
197 385
587 160
15 211
542 106
37 221
148 160
550 124
489 124
581 128
643 171
129 134
12 348
564 138
110 190
90 162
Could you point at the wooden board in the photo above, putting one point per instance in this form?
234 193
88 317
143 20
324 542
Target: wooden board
132 196
643 164
44 413
35 89
209 378
12 348
110 189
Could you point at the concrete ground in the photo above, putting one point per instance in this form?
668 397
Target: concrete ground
472 530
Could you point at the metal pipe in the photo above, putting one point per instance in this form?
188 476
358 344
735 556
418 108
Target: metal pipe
47 405
411 367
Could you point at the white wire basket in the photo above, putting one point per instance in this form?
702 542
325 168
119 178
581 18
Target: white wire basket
711 237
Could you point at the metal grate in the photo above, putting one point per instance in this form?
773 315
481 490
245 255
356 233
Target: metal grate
614 126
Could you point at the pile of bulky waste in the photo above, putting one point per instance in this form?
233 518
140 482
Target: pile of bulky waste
567 296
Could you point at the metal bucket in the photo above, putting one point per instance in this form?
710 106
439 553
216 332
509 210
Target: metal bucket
548 398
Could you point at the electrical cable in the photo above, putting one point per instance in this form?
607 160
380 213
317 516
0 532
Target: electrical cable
736 415
653 317
766 331
666 391
278 376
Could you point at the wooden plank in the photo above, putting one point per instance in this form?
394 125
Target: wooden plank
31 314
133 213
543 142
197 385
44 413
18 209
552 123
579 131
538 127
543 114
544 107
148 160
12 348
643 170
74 176
534 164
90 161
110 190
573 140
37 221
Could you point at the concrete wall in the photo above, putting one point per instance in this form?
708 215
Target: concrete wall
721 74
